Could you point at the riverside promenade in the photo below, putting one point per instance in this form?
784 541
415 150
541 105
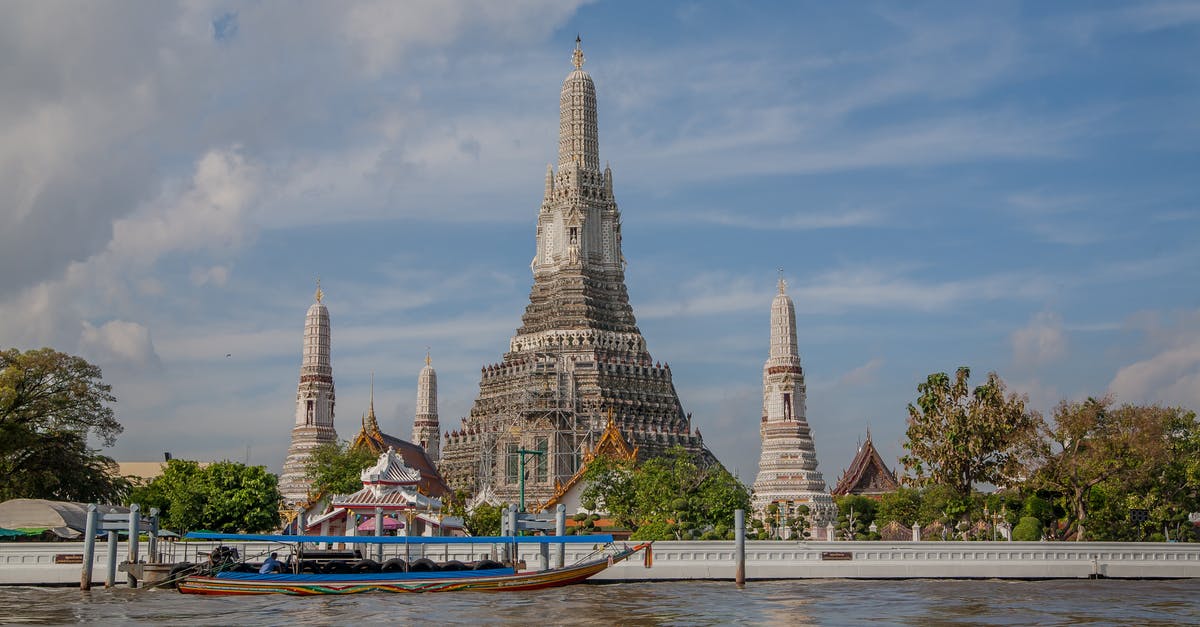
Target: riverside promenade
58 563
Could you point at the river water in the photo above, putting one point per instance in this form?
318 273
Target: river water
808 602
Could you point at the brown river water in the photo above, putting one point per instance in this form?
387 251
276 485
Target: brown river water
811 602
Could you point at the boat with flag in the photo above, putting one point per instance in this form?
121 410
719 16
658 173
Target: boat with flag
308 570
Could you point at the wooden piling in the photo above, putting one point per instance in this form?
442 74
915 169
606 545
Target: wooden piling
89 548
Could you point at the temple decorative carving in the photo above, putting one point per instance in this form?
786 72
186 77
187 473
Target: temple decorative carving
787 468
314 404
867 474
578 352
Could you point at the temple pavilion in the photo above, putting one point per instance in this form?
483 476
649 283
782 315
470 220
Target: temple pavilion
393 488
867 474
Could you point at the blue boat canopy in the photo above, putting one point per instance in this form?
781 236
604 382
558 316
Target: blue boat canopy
252 537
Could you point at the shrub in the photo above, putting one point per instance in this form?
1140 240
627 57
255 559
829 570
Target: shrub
1029 529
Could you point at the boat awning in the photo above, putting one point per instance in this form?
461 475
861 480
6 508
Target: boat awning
253 537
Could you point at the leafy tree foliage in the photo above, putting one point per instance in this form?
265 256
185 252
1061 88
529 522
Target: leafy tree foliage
336 468
855 515
960 437
665 498
1028 529
1107 461
226 497
50 403
901 505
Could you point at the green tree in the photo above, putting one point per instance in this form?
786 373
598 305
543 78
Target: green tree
240 498
960 437
226 497
670 492
336 468
1027 530
484 520
903 506
1112 459
177 493
50 404
855 515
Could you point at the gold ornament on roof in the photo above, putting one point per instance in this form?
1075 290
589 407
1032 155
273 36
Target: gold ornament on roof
320 294
577 56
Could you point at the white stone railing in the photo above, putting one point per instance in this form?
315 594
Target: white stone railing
886 560
31 563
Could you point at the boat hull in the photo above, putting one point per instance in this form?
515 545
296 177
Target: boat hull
312 585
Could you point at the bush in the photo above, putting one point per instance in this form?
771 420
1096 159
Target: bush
1028 530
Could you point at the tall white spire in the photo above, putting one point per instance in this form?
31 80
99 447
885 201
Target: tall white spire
426 430
313 424
578 136
787 468
579 225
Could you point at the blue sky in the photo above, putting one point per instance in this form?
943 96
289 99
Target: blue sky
1009 186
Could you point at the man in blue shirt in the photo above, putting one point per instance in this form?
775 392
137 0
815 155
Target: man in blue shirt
271 565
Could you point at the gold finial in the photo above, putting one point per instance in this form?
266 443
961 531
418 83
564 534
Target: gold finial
577 57
428 361
782 282
320 294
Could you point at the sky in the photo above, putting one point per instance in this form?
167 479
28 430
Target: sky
1007 186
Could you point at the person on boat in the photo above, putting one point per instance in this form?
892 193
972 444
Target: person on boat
271 565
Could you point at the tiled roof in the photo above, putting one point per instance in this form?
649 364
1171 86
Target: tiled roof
867 473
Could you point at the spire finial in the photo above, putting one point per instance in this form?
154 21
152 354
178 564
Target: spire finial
320 294
428 361
577 57
372 405
782 282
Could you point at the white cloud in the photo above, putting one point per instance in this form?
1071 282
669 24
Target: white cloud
863 374
1040 342
118 342
843 289
1170 376
215 275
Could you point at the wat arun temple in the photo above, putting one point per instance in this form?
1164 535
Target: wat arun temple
577 377
578 359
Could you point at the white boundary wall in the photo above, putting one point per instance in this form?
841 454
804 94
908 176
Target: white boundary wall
902 560
30 563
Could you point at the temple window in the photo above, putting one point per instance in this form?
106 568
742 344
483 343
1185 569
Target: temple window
512 463
308 414
542 463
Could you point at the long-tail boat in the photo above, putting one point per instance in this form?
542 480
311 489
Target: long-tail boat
225 576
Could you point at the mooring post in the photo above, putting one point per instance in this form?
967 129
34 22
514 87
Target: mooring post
560 530
135 540
89 548
152 558
110 578
379 533
739 539
512 529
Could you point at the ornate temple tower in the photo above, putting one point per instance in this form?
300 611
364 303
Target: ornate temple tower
578 354
314 403
787 469
426 432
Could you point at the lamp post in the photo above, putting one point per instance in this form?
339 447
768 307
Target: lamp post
873 528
